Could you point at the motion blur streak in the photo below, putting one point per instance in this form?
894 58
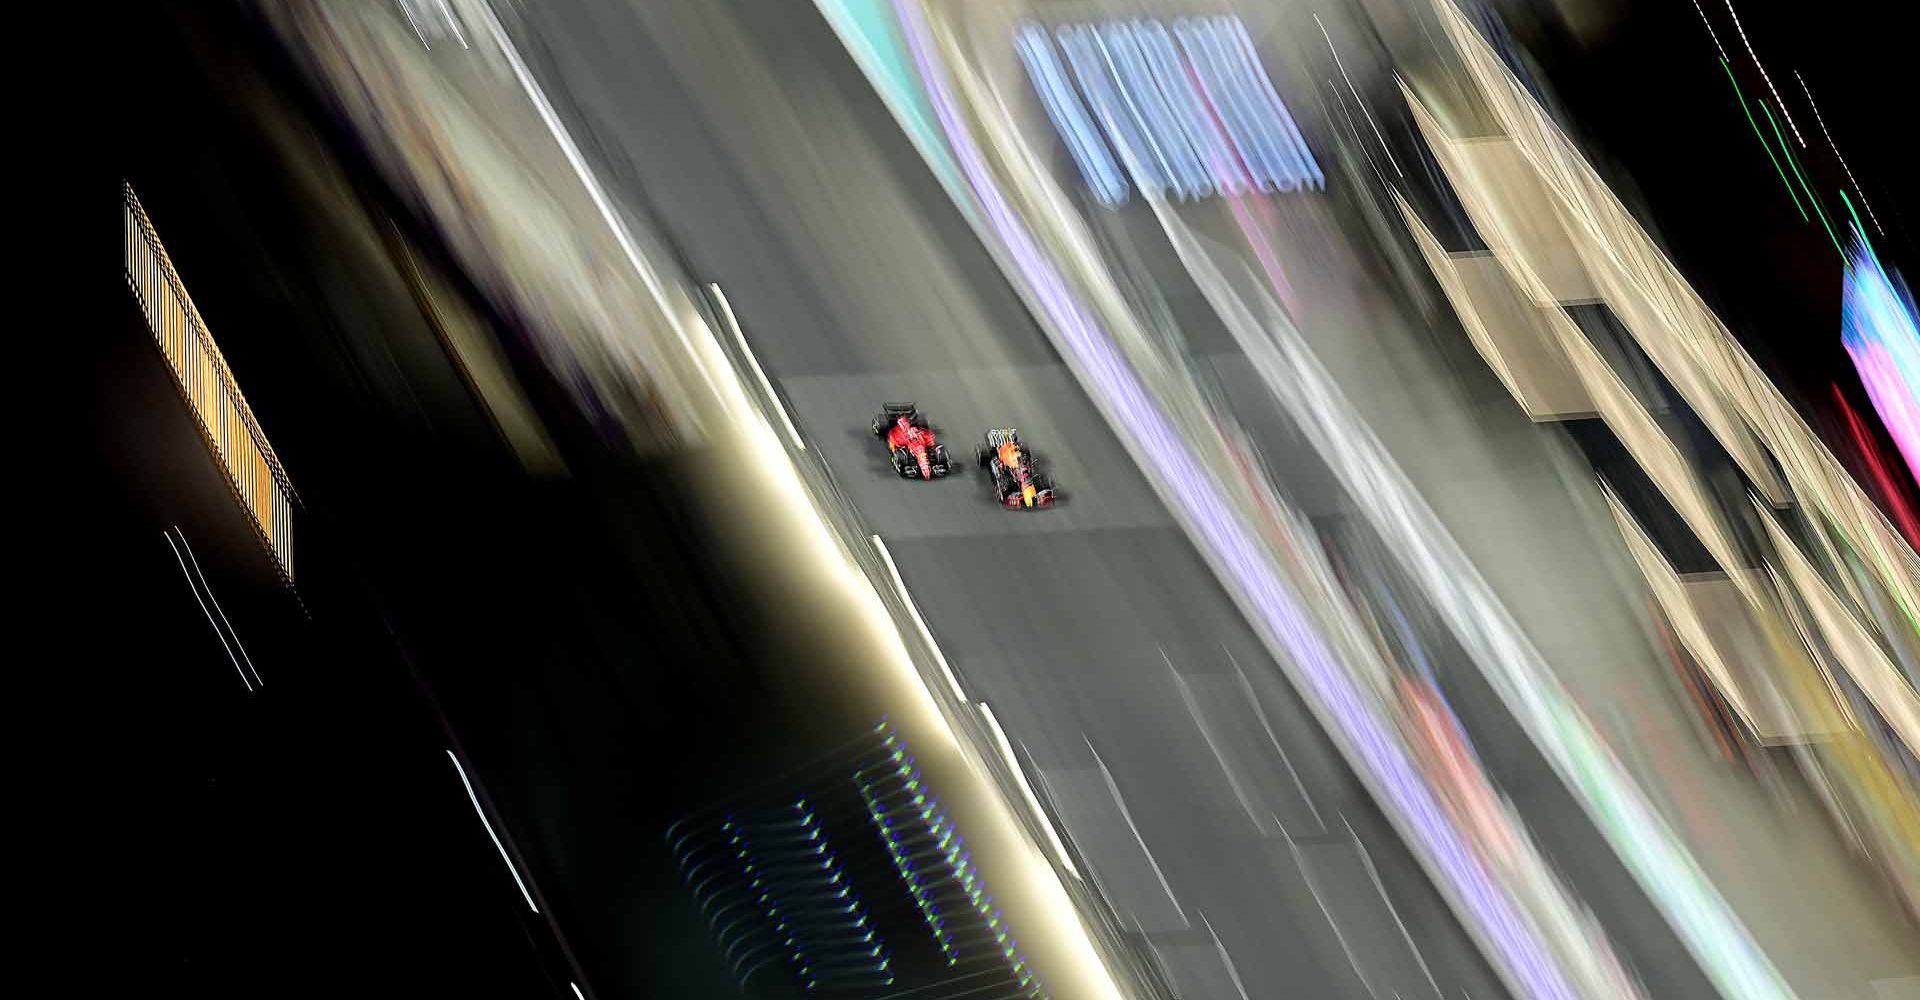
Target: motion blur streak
201 374
1122 55
1496 644
1871 454
867 29
913 610
1878 327
439 124
746 351
1176 79
1342 67
1758 428
217 631
482 813
1822 122
578 258
1081 45
1379 756
1741 29
1026 789
1070 116
1741 99
1686 341
1034 879
676 313
208 590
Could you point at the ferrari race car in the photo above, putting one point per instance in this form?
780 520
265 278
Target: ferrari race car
1017 481
911 444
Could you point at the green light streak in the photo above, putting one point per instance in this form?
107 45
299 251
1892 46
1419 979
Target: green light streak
1762 136
1858 226
1788 150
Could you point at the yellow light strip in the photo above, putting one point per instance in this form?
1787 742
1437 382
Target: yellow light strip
204 379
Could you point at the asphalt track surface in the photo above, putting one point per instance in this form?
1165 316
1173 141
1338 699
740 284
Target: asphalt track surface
1216 816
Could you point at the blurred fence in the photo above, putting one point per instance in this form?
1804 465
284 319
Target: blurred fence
198 368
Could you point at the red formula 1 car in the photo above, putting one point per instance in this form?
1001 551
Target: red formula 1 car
915 451
1017 480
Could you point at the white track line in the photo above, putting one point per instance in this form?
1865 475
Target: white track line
1254 700
1125 814
740 336
900 585
1373 873
1338 935
1225 959
1026 788
1219 757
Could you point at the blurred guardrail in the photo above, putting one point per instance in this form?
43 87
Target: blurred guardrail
254 472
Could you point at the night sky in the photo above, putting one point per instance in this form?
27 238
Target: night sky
1654 96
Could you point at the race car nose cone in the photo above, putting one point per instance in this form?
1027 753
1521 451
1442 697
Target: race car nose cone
1026 495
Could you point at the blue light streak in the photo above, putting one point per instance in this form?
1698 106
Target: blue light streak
1069 116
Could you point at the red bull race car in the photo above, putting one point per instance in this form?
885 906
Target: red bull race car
914 450
1018 482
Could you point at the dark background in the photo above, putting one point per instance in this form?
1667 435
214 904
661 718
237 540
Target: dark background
575 640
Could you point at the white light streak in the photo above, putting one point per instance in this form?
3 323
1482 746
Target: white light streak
1710 32
406 11
216 607
1113 789
1366 860
203 610
1225 959
1822 122
1219 756
454 23
740 336
1026 789
482 813
1737 26
900 585
1356 98
1246 686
